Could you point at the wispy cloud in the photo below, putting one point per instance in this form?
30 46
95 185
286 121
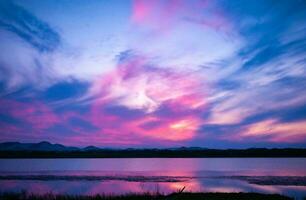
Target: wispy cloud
25 25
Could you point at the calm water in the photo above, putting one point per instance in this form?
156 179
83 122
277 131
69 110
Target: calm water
117 176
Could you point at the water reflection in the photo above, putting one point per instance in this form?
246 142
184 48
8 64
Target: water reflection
121 187
193 174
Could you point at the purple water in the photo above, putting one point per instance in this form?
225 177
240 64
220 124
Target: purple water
196 174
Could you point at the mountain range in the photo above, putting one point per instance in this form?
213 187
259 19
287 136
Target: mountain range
47 146
48 150
41 146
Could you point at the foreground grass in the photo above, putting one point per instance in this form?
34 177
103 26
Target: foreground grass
173 196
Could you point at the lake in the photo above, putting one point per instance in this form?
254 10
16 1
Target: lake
118 176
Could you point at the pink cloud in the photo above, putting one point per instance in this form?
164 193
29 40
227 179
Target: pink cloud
137 86
275 131
270 130
162 14
36 114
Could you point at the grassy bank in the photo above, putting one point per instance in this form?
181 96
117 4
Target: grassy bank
173 196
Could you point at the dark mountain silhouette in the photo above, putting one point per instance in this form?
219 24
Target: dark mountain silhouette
91 148
41 146
48 150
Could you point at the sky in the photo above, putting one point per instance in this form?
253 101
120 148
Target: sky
162 73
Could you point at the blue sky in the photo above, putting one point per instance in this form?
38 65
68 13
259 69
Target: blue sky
218 74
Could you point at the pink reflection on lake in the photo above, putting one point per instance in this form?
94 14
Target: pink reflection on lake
122 175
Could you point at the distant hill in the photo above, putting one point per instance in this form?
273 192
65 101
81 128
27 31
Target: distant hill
41 146
47 146
48 150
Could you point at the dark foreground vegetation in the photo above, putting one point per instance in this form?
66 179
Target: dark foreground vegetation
173 196
156 153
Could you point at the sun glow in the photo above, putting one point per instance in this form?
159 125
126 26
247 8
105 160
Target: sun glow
183 125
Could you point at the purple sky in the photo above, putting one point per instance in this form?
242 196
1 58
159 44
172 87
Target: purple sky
162 73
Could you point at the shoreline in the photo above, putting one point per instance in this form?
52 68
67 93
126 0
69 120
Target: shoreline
258 180
155 153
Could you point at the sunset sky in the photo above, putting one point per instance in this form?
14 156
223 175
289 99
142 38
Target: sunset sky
154 73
